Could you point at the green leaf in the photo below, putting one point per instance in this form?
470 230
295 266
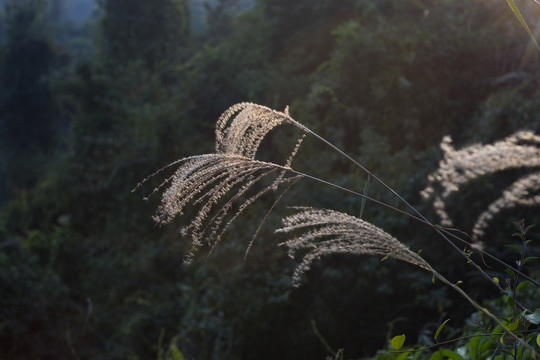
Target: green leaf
528 228
510 272
514 247
451 355
437 355
416 355
497 330
504 351
474 344
398 341
175 353
446 353
510 301
534 318
516 11
522 284
513 325
440 329
530 258
496 280
486 347
403 356
538 340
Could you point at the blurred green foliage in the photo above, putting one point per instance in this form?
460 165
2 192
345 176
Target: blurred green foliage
28 119
84 272
151 32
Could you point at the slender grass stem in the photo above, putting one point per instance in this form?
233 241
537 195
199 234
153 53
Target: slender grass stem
482 310
424 220
359 195
494 258
501 290
420 217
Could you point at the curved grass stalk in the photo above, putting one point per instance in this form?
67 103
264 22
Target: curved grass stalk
235 164
518 15
420 220
438 228
483 310
334 232
420 217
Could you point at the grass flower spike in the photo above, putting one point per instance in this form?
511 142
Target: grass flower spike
222 185
216 188
521 150
333 232
241 128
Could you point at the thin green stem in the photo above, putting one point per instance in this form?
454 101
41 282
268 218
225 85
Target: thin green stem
322 339
481 309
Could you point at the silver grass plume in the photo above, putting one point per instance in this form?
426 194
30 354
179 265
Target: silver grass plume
523 192
333 232
223 182
241 128
217 182
520 150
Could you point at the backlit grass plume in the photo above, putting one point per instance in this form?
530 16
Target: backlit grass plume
241 128
333 232
521 150
523 192
220 186
216 188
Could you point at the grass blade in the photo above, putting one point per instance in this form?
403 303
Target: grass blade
516 11
366 190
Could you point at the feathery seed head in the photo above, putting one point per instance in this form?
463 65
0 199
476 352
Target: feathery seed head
520 150
223 182
218 182
333 232
241 128
523 192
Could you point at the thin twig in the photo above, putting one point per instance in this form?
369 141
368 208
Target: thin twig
266 216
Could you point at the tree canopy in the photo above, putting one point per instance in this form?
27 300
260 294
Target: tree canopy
88 110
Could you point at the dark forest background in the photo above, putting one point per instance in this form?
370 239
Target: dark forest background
96 96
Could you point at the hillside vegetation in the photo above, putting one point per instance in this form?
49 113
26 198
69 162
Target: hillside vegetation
89 110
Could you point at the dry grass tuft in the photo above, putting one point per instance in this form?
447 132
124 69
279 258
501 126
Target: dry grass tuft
333 232
521 150
241 128
222 185
219 184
